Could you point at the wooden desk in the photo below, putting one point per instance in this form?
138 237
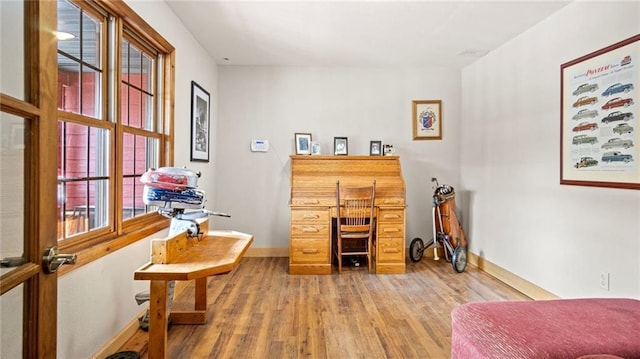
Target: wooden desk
313 202
182 258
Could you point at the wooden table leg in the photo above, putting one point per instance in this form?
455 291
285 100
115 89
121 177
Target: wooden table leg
158 312
201 294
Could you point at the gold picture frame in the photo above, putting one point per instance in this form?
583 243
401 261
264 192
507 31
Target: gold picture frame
427 119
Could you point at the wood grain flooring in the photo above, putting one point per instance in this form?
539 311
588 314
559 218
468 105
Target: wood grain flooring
260 311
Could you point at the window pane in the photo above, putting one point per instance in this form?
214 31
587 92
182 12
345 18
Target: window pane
124 53
128 157
147 111
84 150
12 158
124 105
141 153
68 84
91 92
69 28
135 65
135 112
133 204
79 64
91 40
83 197
146 73
84 207
12 53
11 312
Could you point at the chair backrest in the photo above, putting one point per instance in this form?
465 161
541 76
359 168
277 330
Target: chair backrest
354 207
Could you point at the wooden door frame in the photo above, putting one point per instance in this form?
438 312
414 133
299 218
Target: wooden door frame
42 77
39 108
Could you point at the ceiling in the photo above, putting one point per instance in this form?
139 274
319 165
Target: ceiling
357 33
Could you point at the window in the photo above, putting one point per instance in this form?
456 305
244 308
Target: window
112 125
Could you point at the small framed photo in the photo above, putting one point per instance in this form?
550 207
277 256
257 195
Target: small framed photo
303 143
375 148
340 146
316 148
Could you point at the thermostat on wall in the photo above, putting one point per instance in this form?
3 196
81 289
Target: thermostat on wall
259 145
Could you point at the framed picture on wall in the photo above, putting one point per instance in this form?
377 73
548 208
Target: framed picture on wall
200 102
303 143
427 119
340 146
599 117
375 148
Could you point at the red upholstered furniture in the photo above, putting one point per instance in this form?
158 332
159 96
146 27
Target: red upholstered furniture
565 328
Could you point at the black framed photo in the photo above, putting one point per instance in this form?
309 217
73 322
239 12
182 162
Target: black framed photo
340 146
375 148
303 143
200 123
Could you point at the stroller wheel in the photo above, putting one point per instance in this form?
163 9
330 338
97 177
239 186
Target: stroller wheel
416 249
459 259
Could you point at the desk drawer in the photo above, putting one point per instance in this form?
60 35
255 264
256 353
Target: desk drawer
391 250
310 216
390 229
309 251
311 229
391 215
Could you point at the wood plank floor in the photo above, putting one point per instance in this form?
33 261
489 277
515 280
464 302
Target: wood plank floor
260 311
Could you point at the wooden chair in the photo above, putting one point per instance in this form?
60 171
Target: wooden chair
355 222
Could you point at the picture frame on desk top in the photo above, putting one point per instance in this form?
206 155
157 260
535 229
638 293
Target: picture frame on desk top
375 148
303 143
340 146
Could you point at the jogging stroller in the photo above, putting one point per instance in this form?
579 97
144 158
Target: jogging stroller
447 231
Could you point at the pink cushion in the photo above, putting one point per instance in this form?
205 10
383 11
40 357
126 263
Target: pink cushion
566 328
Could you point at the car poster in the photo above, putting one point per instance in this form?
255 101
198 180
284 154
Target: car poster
600 117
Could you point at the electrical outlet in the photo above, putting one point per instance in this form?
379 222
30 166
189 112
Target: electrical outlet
604 280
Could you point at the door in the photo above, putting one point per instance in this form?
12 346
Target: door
27 178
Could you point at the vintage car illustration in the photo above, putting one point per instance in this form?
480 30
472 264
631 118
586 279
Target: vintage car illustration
617 88
617 143
625 61
617 102
617 116
585 101
585 88
580 139
585 126
585 112
586 162
616 156
622 128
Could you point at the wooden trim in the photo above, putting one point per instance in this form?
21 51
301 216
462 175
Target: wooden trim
14 278
100 250
18 107
524 286
114 345
134 21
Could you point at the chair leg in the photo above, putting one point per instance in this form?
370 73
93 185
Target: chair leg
369 254
339 256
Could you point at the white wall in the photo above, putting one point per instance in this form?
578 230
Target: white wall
96 301
362 104
558 237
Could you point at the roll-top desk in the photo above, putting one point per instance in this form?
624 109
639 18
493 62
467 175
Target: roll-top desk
313 202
